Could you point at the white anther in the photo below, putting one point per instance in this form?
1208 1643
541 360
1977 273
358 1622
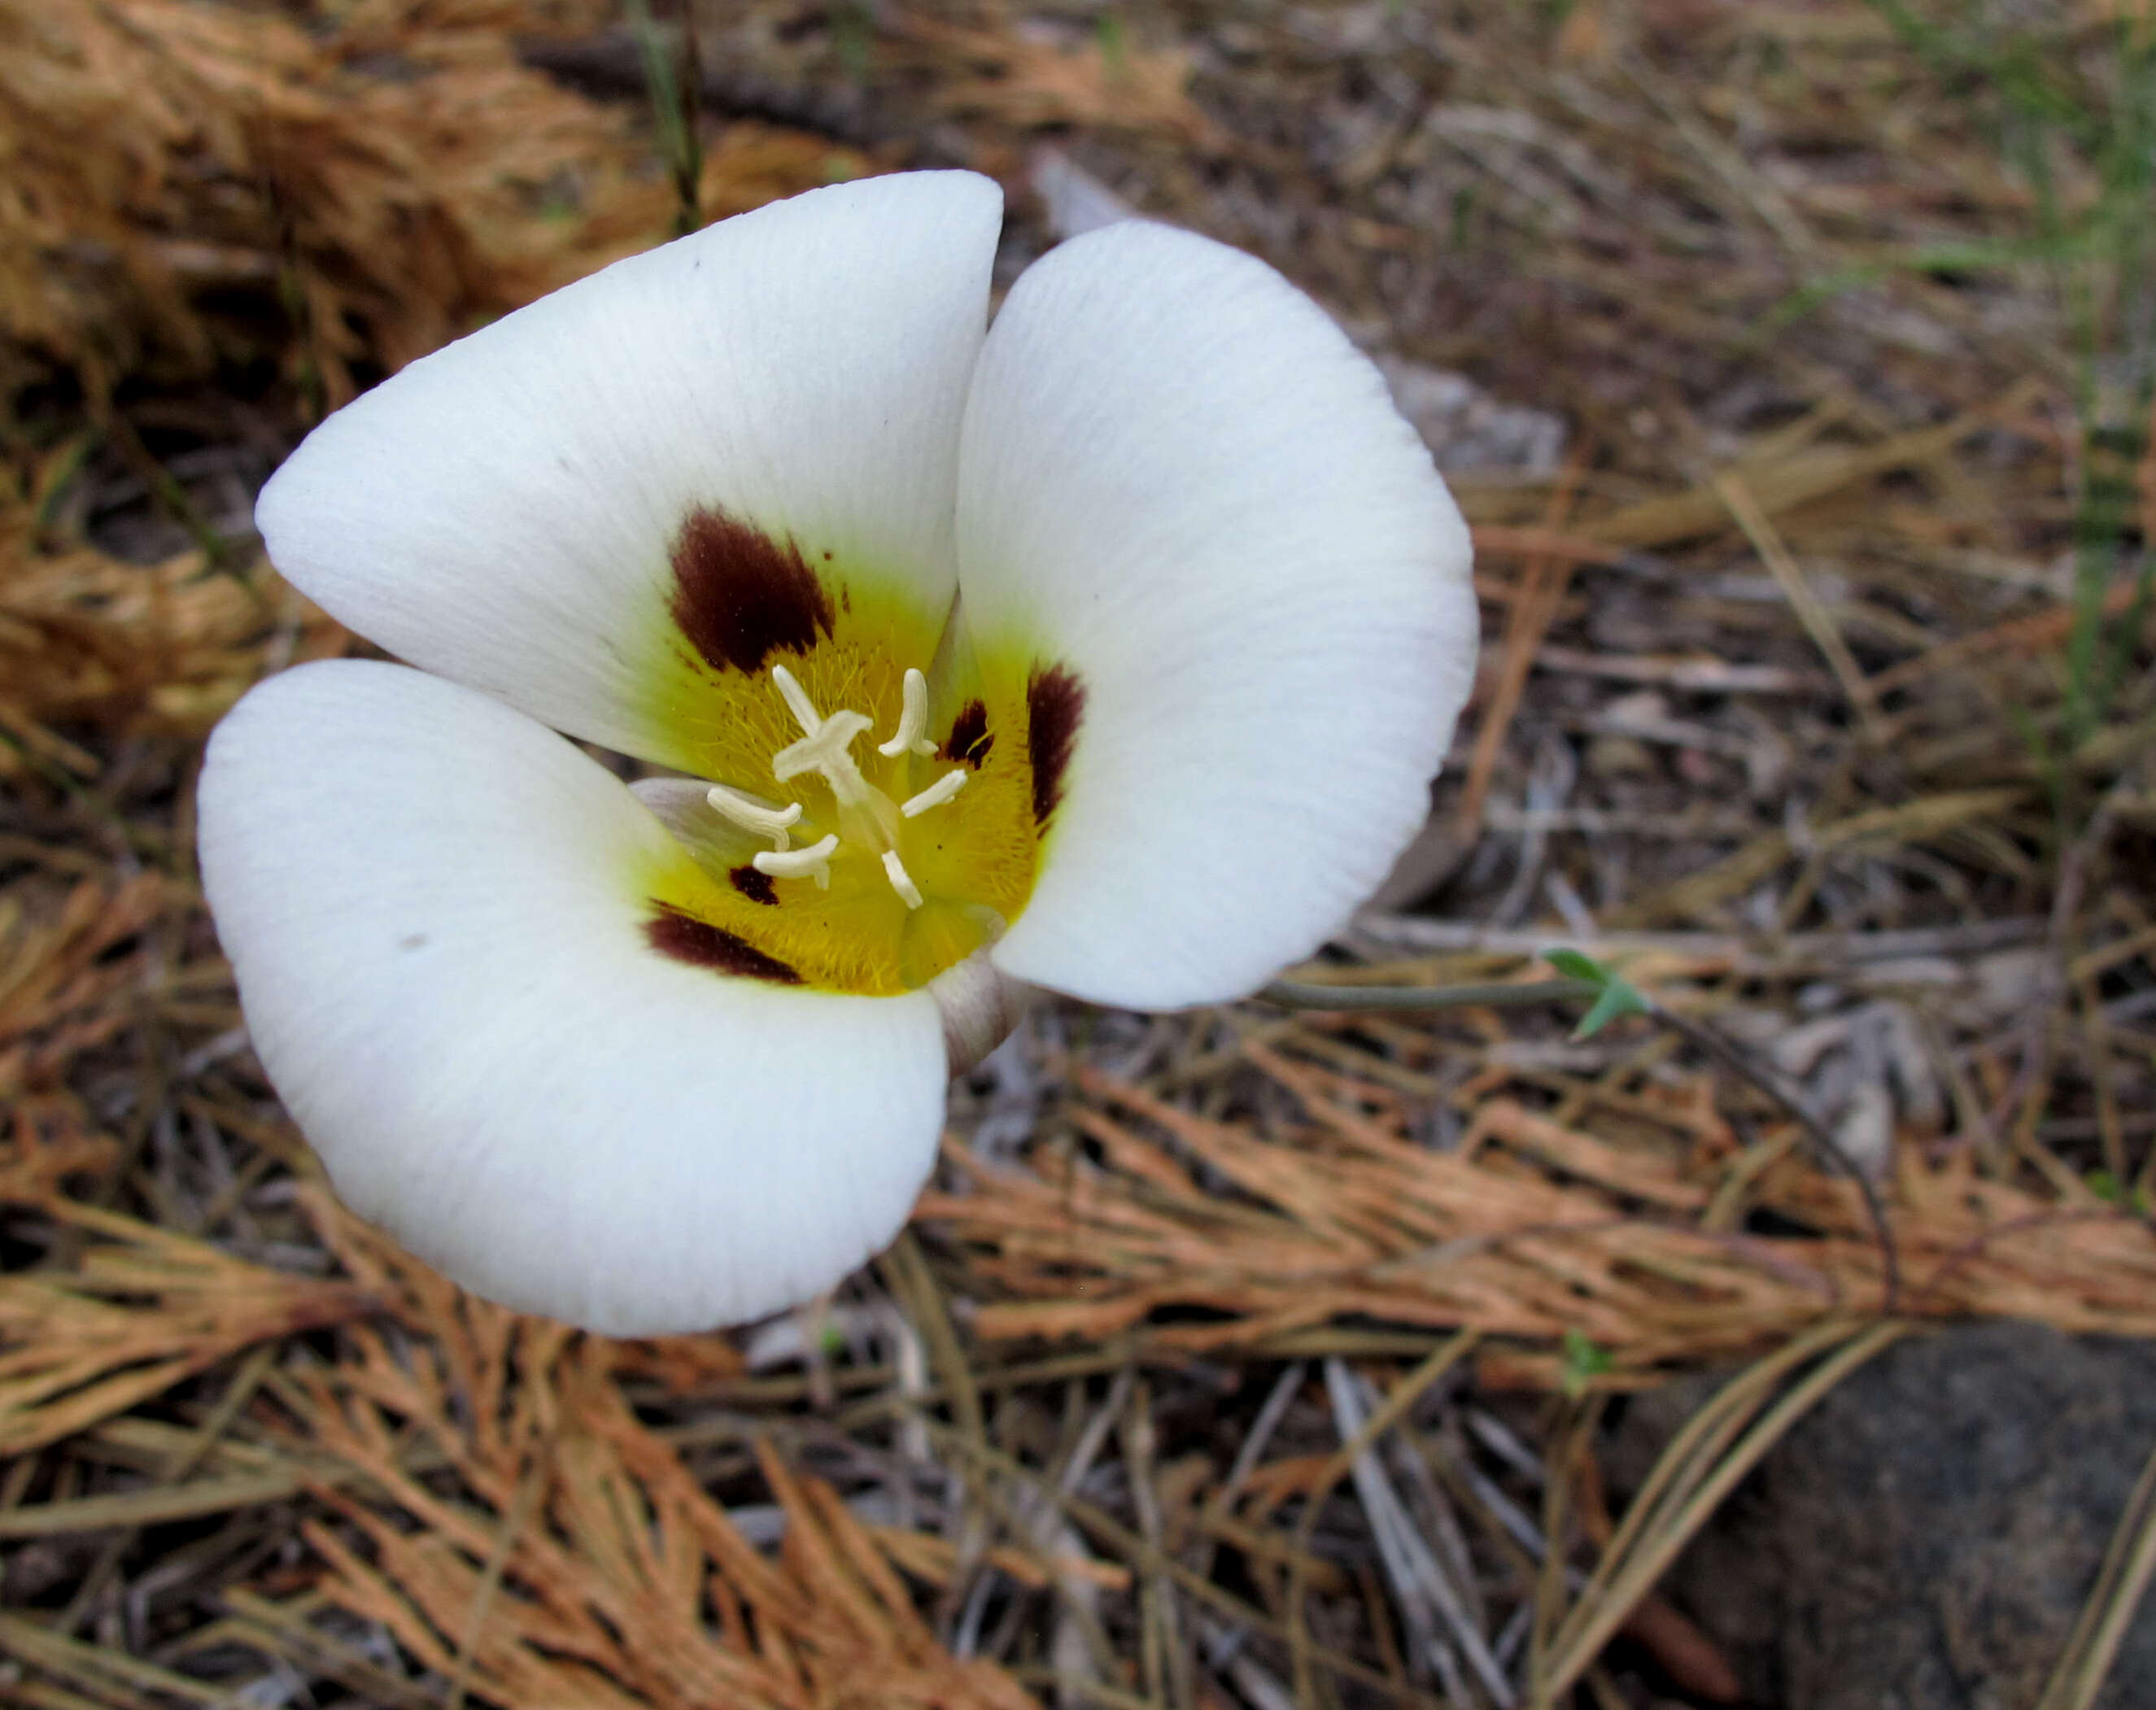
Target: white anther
901 881
814 862
751 815
797 701
935 795
912 719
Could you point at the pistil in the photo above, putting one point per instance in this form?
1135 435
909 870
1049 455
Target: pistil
826 744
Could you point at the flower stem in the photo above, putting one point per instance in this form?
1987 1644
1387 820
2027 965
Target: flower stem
1301 994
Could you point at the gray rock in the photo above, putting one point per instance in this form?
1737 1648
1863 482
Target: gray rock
1925 1537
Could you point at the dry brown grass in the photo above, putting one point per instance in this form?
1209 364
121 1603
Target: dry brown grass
367 181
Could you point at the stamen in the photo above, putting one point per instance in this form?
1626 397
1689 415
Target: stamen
912 718
901 881
814 862
935 795
751 815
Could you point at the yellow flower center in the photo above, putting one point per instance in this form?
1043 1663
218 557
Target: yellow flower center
869 824
831 859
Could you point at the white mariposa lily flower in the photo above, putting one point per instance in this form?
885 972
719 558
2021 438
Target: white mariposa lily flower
1108 650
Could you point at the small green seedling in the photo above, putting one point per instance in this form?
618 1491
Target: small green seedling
1584 1358
1615 996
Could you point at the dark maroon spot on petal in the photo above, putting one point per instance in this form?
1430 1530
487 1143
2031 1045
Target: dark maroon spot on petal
702 945
741 596
969 740
1055 702
754 885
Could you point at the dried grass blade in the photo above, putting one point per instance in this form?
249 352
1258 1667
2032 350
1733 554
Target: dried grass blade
2122 1581
102 1668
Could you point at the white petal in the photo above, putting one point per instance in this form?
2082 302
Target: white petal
438 912
503 511
1180 483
